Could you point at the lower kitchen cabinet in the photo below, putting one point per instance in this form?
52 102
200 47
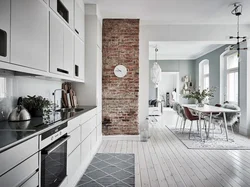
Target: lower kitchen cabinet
74 162
21 174
32 181
99 132
74 141
93 139
85 150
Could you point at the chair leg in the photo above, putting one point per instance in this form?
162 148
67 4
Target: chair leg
190 129
232 127
181 124
197 125
184 125
177 122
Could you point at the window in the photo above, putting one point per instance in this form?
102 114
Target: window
232 78
204 74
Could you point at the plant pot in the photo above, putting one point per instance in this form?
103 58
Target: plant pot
37 113
200 103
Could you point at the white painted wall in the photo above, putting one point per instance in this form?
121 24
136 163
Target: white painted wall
216 33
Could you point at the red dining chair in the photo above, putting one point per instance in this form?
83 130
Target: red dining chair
191 118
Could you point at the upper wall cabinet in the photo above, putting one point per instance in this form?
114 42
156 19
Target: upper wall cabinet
29 33
61 48
65 9
79 59
5 30
79 18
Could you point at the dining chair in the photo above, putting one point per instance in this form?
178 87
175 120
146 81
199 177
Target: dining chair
191 118
177 108
231 117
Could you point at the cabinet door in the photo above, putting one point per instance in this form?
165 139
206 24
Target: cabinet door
64 9
93 139
68 51
85 150
5 30
74 161
74 141
29 34
79 59
79 19
56 45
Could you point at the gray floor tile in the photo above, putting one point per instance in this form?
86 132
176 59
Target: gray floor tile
121 175
130 169
113 160
95 159
91 184
96 174
130 181
104 156
124 156
122 165
90 169
119 184
100 165
110 169
107 180
83 180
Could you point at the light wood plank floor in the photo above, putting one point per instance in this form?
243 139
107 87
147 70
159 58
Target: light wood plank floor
164 161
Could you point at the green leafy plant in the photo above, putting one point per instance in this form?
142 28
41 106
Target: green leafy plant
200 95
36 104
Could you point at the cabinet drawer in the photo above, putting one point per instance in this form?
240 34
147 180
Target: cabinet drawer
74 123
20 173
88 127
75 140
17 154
74 161
32 182
86 116
85 150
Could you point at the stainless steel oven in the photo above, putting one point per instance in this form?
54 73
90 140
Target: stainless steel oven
54 156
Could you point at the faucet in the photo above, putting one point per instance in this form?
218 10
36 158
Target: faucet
54 94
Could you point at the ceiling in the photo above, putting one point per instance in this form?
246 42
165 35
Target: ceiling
180 50
174 11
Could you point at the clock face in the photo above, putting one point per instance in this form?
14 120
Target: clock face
120 71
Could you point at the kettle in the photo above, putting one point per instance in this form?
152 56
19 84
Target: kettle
19 113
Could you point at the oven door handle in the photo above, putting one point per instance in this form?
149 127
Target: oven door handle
47 152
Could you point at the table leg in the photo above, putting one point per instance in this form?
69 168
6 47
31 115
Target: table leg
200 124
210 120
225 123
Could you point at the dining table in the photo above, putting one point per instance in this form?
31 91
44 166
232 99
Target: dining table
209 109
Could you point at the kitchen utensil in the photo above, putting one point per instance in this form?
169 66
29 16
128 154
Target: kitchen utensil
19 113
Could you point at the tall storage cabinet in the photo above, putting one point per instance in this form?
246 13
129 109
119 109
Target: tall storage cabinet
29 34
79 19
5 30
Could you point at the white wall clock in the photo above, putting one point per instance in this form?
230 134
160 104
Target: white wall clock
120 71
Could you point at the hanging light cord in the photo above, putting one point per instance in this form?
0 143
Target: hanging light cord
156 50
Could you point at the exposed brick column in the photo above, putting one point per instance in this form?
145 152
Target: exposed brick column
120 45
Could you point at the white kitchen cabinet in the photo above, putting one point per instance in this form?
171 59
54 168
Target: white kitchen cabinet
5 30
88 127
74 161
99 132
93 136
29 34
32 181
21 173
74 141
79 19
61 48
64 9
79 59
13 156
85 149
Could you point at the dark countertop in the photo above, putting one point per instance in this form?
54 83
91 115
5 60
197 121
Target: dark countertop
13 133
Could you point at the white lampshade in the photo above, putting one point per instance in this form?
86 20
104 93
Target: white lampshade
156 74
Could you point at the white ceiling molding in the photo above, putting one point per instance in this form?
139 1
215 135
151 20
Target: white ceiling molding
181 50
173 11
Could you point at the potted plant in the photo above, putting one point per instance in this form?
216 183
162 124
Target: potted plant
201 95
37 105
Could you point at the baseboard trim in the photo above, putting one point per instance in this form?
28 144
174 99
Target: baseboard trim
121 137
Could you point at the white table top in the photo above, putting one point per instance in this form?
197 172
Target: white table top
208 108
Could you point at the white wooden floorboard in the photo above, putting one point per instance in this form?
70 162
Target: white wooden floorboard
164 161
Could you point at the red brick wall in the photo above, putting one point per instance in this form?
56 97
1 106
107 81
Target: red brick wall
120 45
